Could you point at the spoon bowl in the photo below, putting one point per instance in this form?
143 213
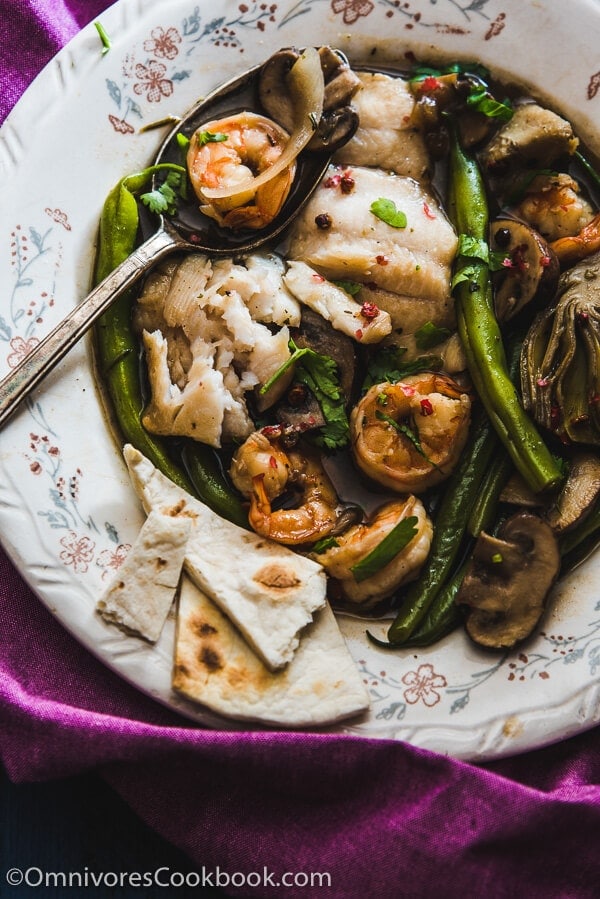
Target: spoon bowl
186 230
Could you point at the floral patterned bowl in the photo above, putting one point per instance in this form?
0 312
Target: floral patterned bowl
67 513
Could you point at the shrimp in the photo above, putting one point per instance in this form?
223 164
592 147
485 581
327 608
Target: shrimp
263 471
361 539
409 436
573 249
554 206
228 153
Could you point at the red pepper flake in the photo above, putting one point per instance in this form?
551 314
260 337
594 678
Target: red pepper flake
545 261
518 257
369 310
332 181
583 317
272 462
317 277
272 431
358 334
542 382
428 212
381 260
407 390
507 262
430 83
426 407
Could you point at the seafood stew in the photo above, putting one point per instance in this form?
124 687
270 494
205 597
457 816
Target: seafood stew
430 319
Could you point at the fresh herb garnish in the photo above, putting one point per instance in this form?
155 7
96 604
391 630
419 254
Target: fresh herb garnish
393 543
430 335
210 137
481 100
319 374
163 199
387 365
408 433
387 211
473 248
324 544
104 38
470 68
351 287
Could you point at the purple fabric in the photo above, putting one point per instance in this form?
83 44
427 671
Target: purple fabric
381 818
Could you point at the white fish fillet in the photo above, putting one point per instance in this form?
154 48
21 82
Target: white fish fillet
414 261
386 137
335 305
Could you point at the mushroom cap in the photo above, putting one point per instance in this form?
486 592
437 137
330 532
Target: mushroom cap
507 581
339 120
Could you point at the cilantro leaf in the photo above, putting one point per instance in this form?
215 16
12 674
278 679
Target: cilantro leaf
387 366
319 374
482 101
430 335
392 544
464 273
351 287
473 248
387 211
210 137
163 199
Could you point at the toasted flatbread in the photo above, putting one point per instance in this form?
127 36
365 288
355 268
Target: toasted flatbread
139 597
267 590
214 666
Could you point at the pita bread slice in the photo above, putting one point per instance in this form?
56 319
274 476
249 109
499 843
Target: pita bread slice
267 590
139 597
215 667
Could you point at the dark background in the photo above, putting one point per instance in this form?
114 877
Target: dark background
74 823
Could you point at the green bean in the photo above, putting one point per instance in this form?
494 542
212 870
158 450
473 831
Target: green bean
449 529
480 332
117 355
205 471
116 344
484 509
443 615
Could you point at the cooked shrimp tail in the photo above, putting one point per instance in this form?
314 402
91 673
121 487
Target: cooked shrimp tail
264 472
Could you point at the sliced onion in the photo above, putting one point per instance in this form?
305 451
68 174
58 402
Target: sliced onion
306 88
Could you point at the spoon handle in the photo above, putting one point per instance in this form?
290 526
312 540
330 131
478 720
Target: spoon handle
22 379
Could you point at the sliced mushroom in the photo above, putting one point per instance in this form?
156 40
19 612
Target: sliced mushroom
319 335
339 120
516 492
508 580
578 495
532 270
534 136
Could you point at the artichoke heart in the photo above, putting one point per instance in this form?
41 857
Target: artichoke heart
560 359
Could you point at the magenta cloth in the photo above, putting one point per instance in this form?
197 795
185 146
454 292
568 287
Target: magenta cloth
381 818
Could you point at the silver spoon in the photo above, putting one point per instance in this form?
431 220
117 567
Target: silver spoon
188 230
